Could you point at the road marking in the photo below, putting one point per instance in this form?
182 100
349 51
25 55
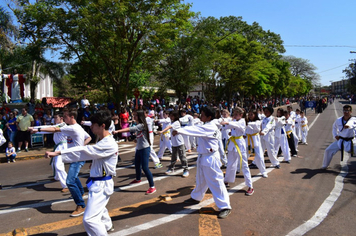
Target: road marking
59 201
63 224
328 203
208 220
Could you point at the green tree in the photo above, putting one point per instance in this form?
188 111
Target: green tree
350 73
114 39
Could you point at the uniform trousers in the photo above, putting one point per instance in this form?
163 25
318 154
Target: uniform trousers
153 154
60 172
96 219
283 143
304 134
165 142
329 153
233 158
186 142
259 159
267 142
209 175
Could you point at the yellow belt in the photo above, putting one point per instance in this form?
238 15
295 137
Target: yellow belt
289 132
164 134
249 137
233 139
304 125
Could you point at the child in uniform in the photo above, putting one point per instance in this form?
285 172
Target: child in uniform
237 150
96 218
209 174
281 140
177 146
165 141
304 127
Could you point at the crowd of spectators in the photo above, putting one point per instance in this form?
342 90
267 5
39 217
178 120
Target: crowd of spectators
41 113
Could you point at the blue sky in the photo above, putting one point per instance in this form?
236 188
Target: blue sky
299 22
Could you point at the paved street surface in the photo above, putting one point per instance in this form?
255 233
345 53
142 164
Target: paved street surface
298 199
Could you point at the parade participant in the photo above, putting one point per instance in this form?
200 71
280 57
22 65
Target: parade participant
217 121
298 126
290 134
224 131
209 174
100 184
343 132
186 120
60 141
293 116
253 128
236 147
267 136
76 136
165 141
281 140
178 148
153 155
304 127
143 149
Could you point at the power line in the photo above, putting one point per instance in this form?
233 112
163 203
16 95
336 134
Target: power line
320 46
334 68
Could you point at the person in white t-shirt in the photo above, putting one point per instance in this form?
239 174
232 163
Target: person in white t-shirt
76 136
84 102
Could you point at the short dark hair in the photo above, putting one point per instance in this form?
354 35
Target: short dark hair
175 115
72 112
102 117
209 111
347 107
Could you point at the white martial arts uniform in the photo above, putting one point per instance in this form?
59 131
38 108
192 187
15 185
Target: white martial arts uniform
221 145
293 116
304 129
209 174
225 132
96 218
237 143
267 140
165 141
340 130
187 120
153 154
281 138
60 141
253 129
298 127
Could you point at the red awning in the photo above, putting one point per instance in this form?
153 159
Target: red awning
58 102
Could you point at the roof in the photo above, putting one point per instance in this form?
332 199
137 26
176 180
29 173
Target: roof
58 102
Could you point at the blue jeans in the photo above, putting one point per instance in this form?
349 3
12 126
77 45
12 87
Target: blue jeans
73 183
12 136
141 163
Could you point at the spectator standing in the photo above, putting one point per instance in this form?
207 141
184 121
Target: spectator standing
84 102
24 121
31 107
11 127
124 120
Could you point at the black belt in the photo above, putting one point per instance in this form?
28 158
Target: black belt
342 146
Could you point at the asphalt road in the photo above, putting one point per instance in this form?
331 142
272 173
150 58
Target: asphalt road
298 199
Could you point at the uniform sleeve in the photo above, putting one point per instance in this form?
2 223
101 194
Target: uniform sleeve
335 129
199 131
281 120
88 152
239 125
269 126
255 125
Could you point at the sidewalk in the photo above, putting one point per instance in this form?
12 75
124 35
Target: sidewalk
33 153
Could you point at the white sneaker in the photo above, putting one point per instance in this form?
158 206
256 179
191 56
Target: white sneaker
264 175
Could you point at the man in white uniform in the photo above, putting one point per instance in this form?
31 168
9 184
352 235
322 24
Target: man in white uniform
96 218
343 132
